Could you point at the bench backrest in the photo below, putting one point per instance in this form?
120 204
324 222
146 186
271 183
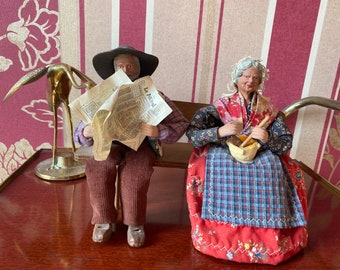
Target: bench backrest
188 108
176 155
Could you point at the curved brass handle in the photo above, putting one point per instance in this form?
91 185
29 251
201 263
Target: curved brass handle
314 100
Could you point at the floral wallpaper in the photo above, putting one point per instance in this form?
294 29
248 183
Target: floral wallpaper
35 33
29 38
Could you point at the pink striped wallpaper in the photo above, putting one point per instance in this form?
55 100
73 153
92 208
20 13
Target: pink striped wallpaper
290 47
132 23
196 41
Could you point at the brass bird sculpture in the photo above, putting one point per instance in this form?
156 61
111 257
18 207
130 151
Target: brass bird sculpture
60 80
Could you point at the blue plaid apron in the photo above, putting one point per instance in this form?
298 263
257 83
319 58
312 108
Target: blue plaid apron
259 194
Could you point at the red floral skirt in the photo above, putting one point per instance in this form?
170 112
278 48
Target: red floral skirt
241 243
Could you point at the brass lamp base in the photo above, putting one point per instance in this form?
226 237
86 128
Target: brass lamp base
66 168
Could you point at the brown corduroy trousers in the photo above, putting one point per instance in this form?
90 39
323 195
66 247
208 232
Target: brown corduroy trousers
135 170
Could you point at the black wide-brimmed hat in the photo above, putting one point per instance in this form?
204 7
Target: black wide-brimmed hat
103 62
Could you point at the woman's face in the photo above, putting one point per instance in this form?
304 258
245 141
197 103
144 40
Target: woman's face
249 81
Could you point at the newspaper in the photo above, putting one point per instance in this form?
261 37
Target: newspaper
116 108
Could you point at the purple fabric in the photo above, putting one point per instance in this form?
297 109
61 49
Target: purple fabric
172 128
79 137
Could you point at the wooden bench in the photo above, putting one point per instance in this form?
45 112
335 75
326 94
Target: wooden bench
177 155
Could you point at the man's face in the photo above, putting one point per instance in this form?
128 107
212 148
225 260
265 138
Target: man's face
129 64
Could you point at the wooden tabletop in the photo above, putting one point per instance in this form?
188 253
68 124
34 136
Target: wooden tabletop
46 225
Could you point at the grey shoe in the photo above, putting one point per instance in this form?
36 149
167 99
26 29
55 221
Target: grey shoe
102 232
136 236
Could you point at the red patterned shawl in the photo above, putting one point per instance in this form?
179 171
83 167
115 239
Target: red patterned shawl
234 108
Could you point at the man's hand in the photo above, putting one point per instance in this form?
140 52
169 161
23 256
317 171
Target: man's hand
87 132
148 130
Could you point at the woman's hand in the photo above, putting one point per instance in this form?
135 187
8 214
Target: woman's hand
148 130
231 128
260 134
